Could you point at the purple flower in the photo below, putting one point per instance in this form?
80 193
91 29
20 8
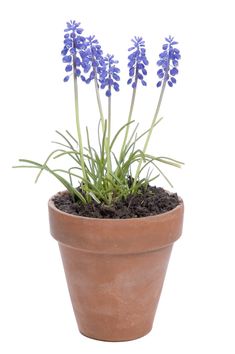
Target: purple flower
73 44
137 62
168 62
92 59
108 75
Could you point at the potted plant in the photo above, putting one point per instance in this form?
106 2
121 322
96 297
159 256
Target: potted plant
114 229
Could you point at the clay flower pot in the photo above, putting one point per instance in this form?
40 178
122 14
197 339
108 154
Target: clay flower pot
115 269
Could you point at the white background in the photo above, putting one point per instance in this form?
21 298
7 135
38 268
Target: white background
196 312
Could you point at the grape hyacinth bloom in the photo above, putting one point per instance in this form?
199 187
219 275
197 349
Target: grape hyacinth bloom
137 62
109 75
73 44
92 59
168 62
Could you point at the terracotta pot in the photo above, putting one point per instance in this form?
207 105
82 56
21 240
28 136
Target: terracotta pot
115 269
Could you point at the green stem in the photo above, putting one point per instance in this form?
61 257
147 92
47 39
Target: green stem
109 166
97 91
78 125
129 118
149 133
107 142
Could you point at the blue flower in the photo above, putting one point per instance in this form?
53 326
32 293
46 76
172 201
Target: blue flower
73 26
66 78
137 62
73 44
92 59
108 75
168 62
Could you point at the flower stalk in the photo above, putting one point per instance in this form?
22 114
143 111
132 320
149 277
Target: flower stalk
109 164
154 120
97 92
129 119
80 143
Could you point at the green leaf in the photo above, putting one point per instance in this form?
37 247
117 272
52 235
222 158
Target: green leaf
118 133
72 137
46 161
58 143
67 185
165 160
143 134
93 196
163 174
133 135
69 143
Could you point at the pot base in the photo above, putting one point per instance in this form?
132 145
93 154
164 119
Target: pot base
115 297
124 339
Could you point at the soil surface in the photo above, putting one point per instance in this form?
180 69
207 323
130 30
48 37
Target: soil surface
147 202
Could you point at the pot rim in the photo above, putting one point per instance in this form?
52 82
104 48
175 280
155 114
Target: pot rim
116 236
167 213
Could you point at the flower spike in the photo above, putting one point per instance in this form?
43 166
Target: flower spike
109 75
168 62
92 59
73 44
137 62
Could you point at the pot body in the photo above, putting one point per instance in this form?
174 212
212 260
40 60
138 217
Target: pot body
115 269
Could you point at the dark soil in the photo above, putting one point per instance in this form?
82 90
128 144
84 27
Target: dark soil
147 202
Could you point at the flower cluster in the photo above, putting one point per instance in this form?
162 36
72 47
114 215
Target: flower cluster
92 59
168 62
137 62
109 75
85 54
73 44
